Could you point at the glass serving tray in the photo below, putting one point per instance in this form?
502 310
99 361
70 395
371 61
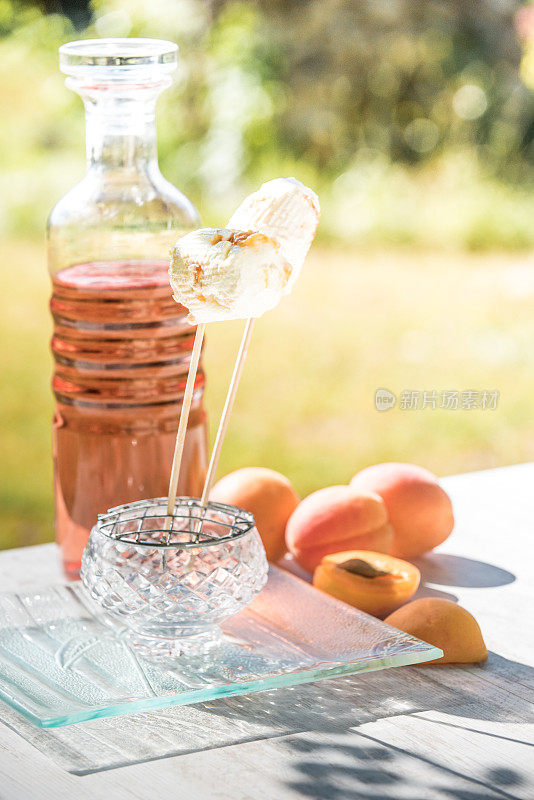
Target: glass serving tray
62 661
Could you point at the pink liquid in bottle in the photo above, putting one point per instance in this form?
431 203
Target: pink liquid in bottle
121 347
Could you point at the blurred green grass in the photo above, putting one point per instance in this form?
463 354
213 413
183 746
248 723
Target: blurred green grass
356 321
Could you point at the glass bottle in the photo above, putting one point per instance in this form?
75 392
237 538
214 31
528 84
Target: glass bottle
121 344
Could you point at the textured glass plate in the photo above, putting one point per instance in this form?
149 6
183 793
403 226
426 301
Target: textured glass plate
62 662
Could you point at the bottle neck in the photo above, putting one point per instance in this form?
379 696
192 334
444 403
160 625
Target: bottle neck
121 132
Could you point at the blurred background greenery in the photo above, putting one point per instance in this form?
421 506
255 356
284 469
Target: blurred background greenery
414 122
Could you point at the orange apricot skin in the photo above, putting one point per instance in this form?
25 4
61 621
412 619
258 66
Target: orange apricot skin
268 495
378 596
419 510
445 625
334 519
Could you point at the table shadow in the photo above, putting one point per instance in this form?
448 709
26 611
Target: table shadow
425 590
354 764
360 766
450 570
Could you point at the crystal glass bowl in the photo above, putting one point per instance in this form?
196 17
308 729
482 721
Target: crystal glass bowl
172 579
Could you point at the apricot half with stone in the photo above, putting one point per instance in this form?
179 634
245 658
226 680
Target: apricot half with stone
445 625
336 519
373 582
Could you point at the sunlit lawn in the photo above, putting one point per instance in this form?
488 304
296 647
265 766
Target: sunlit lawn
356 321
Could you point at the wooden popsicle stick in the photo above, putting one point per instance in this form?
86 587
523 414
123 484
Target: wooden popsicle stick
184 417
227 410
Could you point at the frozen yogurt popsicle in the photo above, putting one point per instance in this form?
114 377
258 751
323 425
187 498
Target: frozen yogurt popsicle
221 274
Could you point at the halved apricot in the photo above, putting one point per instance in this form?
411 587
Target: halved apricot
373 582
445 625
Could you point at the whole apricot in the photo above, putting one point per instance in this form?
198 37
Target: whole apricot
419 510
373 582
268 495
445 625
334 519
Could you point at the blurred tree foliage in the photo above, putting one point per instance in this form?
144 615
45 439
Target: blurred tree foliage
374 102
400 76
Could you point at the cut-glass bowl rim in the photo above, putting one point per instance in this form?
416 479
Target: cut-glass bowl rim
242 523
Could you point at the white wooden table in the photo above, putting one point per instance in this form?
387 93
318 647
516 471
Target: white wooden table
417 733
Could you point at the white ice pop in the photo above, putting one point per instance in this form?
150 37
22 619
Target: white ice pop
221 274
286 210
